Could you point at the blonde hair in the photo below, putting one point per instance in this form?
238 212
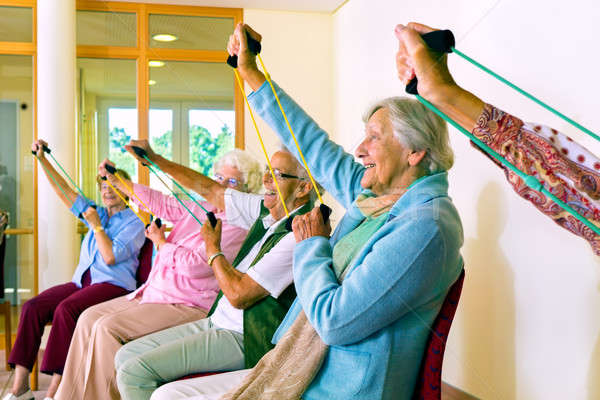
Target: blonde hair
121 172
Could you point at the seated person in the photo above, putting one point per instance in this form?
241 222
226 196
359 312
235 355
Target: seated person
256 289
181 286
107 266
367 295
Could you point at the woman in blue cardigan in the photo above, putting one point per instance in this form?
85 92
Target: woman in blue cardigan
368 294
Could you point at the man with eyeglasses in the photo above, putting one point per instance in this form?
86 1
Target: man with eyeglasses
256 289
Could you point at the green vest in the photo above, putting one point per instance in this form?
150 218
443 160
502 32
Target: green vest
263 317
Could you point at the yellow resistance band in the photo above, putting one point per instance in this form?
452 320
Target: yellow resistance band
133 193
126 202
239 81
290 128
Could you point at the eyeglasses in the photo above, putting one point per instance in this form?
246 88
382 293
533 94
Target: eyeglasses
231 182
278 174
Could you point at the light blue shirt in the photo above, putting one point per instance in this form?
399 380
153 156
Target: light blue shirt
126 232
378 320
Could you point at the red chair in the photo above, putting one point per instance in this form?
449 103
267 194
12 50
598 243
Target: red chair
429 383
145 259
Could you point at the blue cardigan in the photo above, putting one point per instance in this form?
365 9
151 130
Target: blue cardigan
378 320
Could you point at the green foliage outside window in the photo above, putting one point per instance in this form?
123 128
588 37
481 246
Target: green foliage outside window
204 148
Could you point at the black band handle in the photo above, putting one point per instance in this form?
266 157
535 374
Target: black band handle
157 221
253 45
325 212
111 170
141 153
440 41
44 147
95 207
211 218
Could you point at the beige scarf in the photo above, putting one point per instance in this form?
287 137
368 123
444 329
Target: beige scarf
286 371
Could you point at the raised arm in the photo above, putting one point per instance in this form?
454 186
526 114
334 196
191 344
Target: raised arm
211 190
56 181
329 163
435 83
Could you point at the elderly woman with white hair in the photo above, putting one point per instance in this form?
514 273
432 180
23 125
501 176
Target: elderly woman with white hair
368 294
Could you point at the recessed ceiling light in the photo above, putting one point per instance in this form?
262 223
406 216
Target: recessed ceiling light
156 63
151 82
164 37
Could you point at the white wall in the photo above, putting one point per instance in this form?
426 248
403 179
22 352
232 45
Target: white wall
297 51
528 325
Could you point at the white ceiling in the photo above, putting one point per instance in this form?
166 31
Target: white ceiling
324 6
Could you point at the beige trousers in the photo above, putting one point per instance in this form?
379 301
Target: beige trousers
101 330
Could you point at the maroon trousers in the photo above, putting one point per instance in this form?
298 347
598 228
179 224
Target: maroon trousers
61 304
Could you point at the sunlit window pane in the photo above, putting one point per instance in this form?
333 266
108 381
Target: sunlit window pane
107 116
122 127
211 134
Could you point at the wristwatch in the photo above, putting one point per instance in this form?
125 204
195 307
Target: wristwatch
98 228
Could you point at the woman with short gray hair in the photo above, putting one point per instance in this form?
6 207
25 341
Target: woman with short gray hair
419 129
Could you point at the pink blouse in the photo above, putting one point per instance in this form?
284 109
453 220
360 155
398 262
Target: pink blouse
180 273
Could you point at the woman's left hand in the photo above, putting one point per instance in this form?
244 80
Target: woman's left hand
310 224
212 236
92 217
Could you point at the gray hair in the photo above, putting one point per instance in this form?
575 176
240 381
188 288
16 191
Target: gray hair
301 172
417 128
246 164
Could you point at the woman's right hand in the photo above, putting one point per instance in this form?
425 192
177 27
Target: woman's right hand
37 146
144 145
414 58
238 45
102 171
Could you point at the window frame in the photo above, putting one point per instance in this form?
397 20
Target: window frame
142 53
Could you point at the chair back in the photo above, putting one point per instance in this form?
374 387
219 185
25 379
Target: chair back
2 254
145 263
429 383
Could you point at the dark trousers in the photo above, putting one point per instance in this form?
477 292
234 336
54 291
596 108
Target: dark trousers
61 304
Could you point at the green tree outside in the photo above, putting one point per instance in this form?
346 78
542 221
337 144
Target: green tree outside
205 148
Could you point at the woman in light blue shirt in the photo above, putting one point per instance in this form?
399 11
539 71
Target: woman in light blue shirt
107 267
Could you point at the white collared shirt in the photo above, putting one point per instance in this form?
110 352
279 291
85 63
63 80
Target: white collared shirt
273 272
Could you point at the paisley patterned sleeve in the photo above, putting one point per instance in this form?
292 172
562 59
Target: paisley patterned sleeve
565 168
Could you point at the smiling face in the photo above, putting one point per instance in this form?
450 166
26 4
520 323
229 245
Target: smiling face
109 197
290 187
385 159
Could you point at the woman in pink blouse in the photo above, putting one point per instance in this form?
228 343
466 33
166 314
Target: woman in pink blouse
181 286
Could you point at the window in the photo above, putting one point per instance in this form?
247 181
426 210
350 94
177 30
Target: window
174 90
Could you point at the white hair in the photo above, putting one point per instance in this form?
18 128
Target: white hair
246 164
417 128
